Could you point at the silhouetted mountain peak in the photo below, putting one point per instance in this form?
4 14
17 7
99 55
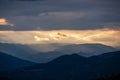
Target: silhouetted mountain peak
68 60
8 62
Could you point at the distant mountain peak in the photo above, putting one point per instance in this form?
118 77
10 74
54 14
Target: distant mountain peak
86 49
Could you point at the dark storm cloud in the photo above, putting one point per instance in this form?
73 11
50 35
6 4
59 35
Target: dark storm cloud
60 14
29 0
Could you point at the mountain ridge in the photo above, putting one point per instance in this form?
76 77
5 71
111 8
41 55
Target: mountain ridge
28 53
86 49
65 68
9 62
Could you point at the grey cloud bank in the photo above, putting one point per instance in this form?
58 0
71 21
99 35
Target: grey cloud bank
60 14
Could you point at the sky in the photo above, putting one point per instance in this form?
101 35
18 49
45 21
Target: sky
60 21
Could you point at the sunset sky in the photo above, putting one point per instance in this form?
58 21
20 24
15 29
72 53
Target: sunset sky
60 21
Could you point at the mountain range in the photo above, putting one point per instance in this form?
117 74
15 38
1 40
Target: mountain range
34 53
85 49
71 67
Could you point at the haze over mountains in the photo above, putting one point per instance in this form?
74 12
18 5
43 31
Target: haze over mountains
86 49
35 53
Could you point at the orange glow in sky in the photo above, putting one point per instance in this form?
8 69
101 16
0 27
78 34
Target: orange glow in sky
107 37
3 21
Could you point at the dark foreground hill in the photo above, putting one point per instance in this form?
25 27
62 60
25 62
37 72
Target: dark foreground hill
8 62
71 67
110 77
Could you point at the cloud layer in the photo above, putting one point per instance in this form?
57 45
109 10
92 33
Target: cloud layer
63 14
4 22
104 36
